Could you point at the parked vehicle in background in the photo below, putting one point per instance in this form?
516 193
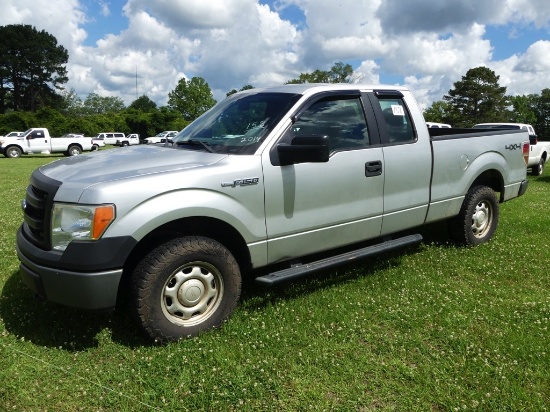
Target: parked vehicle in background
110 137
162 137
38 140
129 140
269 183
438 125
539 150
13 134
97 143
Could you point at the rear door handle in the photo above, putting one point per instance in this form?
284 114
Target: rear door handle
373 168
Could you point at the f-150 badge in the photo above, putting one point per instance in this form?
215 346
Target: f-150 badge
242 182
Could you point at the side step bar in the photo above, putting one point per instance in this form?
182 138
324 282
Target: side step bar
301 270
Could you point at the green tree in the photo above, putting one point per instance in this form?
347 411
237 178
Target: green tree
479 98
191 98
339 73
143 103
523 109
247 87
442 112
96 104
32 68
541 108
71 103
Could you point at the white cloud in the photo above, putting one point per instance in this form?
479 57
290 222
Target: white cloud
230 43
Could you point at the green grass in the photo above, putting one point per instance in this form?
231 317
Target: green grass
435 328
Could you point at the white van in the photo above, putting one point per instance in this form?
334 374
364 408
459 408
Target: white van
110 137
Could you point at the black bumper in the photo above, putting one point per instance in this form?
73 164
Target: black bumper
86 275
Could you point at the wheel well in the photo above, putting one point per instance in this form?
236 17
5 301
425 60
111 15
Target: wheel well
492 179
215 229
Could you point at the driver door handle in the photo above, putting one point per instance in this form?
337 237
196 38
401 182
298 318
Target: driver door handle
373 168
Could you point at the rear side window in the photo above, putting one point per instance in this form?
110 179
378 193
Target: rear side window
398 121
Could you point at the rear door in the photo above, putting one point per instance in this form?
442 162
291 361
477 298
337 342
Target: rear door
312 207
407 157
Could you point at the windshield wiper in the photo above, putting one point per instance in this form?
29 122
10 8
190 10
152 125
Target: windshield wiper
195 143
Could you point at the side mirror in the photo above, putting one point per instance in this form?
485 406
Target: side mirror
304 149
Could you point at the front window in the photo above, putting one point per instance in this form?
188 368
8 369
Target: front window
237 125
341 119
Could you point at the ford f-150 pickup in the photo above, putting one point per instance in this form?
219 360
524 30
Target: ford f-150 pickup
268 178
38 140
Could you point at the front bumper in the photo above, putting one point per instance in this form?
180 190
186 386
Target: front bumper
92 283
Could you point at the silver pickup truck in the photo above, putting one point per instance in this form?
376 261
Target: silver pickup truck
268 178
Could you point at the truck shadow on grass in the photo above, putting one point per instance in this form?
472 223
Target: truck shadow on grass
30 318
256 296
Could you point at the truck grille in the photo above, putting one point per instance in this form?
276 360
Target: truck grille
37 208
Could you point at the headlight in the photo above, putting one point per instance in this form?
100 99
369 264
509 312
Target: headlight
79 222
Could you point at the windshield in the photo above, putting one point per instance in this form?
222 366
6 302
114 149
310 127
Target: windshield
237 125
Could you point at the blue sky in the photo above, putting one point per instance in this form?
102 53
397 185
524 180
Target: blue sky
426 45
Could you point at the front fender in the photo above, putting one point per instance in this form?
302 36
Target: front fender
247 217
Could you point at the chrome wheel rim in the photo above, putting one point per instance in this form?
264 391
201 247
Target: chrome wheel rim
192 293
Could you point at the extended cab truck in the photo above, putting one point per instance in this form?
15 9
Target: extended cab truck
161 137
38 140
539 150
129 140
266 179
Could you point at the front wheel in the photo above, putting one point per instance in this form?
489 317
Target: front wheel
185 286
13 152
539 168
478 217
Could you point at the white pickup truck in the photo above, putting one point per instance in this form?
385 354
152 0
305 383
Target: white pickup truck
38 140
129 140
539 150
13 134
271 184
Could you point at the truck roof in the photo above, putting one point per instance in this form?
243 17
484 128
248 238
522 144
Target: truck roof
306 88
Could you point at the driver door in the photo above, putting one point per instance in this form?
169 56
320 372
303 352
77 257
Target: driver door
311 207
37 141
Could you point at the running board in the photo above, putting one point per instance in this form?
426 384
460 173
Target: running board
300 270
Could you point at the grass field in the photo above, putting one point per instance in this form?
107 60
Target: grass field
435 328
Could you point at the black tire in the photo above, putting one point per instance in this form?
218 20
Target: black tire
478 217
124 144
95 147
184 287
538 169
74 150
13 152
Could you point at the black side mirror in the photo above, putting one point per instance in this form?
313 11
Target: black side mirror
304 149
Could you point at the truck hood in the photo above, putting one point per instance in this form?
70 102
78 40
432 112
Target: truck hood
127 162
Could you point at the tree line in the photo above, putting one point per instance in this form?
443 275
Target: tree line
478 98
32 75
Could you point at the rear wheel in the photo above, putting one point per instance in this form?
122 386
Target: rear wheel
74 150
478 217
538 169
185 286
